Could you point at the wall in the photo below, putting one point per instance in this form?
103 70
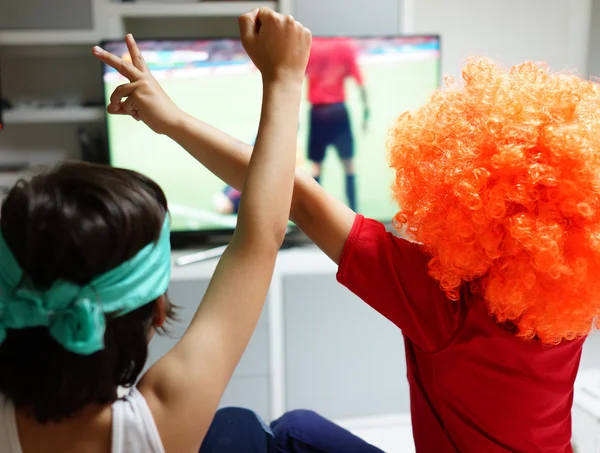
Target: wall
512 31
352 17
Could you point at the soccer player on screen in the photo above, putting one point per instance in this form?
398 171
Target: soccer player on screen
332 62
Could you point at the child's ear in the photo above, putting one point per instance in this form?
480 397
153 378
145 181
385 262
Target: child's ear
160 312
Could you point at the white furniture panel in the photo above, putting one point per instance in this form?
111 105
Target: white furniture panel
586 412
317 346
46 15
250 393
594 41
342 358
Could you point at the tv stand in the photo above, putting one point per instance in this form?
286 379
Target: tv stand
293 239
212 253
200 256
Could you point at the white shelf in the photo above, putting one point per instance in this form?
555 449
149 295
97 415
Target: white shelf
23 115
199 9
119 11
47 37
306 260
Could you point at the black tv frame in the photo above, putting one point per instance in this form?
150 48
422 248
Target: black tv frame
3 102
215 237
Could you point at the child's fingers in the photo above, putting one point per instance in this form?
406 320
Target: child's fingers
265 14
121 111
124 68
122 91
130 107
249 25
136 56
116 110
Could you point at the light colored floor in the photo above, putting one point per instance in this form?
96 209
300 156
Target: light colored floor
392 433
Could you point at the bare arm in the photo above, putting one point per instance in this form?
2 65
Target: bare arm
190 380
323 218
184 388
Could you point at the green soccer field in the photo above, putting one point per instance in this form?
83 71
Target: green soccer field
232 102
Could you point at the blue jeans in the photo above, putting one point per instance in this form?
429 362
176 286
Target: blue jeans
236 430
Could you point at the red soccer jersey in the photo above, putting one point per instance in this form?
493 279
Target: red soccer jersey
331 62
474 385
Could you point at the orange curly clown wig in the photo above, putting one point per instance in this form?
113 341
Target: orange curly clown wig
499 179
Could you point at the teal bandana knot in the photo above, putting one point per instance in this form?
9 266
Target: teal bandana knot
76 315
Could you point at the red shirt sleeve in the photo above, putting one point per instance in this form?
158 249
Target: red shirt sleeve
391 275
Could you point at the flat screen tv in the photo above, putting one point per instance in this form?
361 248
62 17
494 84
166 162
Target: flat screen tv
215 81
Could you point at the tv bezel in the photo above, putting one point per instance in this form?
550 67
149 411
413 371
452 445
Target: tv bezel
219 236
2 106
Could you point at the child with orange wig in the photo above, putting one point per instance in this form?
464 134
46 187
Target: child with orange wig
500 183
498 180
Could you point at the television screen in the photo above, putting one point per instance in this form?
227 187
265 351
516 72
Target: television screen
355 88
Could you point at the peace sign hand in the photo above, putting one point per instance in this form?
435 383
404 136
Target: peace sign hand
142 98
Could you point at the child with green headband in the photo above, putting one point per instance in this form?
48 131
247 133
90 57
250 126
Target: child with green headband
84 268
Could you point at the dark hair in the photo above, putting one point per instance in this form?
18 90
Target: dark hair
73 223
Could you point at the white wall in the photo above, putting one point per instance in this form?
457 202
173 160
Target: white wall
350 17
512 31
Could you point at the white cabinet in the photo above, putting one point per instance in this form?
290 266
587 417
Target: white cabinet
586 412
317 346
45 60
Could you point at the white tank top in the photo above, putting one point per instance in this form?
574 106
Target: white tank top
133 427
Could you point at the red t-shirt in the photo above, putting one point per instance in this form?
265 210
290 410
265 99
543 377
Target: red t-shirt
474 385
331 62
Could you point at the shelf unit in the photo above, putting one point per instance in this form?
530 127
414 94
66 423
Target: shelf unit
43 38
199 9
52 115
109 18
37 63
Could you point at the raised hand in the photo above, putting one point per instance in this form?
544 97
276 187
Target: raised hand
142 98
278 45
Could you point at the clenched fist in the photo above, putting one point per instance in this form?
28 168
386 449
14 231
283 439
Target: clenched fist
278 45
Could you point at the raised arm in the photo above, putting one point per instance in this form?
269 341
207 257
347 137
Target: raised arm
323 218
184 388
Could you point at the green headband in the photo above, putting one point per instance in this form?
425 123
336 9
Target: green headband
76 315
